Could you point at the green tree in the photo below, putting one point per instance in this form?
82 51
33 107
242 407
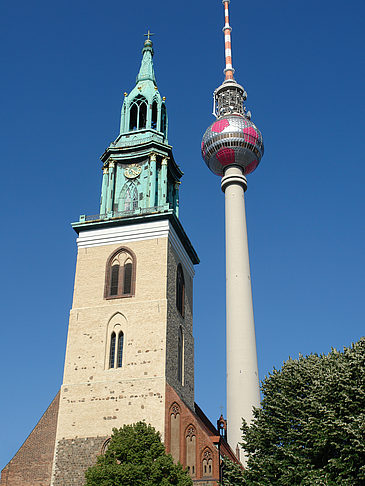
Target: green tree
233 474
310 429
136 457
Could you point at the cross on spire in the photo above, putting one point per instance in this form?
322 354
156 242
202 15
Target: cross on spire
148 35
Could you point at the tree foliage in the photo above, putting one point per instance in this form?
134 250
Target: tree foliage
232 473
136 457
311 427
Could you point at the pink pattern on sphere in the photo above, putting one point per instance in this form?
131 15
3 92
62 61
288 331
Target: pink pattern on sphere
203 149
250 134
251 167
226 156
220 125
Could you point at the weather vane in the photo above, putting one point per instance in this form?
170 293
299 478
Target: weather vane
148 35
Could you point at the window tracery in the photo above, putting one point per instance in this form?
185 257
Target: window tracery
175 431
138 113
128 199
120 274
190 445
207 463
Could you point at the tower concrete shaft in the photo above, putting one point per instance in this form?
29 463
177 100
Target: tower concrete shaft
243 391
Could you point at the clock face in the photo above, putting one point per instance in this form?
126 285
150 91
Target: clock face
132 171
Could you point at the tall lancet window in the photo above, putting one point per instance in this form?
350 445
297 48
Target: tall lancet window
112 350
120 274
190 450
120 350
180 290
138 113
180 356
116 350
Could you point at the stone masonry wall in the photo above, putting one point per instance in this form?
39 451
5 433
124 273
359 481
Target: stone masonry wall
175 320
74 457
32 465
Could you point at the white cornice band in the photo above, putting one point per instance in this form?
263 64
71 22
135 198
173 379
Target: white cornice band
136 232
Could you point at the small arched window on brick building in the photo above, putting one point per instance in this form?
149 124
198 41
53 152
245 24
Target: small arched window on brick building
116 350
207 463
180 290
120 274
175 432
180 356
190 451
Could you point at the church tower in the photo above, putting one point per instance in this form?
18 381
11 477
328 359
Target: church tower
130 330
130 346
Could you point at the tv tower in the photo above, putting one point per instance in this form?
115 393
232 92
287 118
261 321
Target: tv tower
232 147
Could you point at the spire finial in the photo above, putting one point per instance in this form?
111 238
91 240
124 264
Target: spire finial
148 41
229 71
146 71
148 35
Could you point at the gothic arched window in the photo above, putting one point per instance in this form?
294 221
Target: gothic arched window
138 113
175 431
116 350
120 274
207 463
129 197
190 450
180 290
180 356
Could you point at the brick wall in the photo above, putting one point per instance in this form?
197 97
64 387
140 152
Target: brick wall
206 438
32 464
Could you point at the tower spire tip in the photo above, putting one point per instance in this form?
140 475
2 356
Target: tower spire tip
228 71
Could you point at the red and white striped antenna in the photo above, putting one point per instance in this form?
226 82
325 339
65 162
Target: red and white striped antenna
229 71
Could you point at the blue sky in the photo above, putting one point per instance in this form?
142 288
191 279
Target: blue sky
65 66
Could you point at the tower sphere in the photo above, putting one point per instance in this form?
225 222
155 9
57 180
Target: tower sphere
232 140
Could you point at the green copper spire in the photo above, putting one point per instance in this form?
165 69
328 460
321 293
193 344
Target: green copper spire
146 71
143 108
141 179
